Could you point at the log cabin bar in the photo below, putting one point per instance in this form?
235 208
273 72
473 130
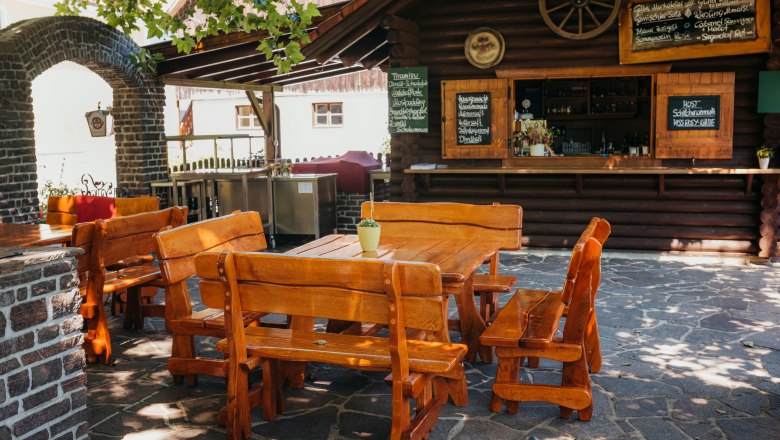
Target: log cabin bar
647 113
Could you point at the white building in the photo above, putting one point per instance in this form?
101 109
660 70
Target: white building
319 118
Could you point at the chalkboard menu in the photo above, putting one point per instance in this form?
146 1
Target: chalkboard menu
472 120
694 112
672 23
407 90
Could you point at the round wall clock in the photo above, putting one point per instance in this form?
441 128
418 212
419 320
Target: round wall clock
484 48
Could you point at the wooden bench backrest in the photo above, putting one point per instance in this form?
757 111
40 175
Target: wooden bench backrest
333 288
119 238
598 229
61 210
135 205
176 250
83 233
586 285
500 223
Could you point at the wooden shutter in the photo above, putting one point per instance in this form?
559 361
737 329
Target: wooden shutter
699 144
502 101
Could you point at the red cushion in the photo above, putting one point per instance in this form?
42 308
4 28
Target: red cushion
91 208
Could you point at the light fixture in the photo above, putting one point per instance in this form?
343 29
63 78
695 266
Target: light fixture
97 120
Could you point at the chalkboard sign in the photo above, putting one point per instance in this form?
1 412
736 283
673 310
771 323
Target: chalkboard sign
472 118
407 90
672 23
694 112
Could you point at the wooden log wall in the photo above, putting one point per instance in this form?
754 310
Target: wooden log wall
694 213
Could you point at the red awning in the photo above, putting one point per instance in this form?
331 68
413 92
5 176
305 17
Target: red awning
352 169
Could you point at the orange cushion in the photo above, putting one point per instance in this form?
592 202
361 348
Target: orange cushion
91 208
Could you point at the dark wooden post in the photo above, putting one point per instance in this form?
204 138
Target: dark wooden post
768 227
404 38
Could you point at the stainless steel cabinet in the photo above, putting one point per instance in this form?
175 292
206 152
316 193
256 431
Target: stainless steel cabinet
305 204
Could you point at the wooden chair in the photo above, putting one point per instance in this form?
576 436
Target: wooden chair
400 295
106 242
599 229
526 327
176 249
500 223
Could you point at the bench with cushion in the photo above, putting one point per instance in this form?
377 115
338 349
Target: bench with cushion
400 295
69 210
176 250
106 242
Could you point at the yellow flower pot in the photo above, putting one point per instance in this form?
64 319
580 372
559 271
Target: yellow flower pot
369 237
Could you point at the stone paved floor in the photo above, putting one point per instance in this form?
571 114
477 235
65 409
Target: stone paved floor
676 366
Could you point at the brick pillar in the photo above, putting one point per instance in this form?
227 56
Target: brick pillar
42 385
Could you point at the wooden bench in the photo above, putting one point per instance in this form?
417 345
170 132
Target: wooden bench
176 250
63 210
498 223
106 242
400 295
526 327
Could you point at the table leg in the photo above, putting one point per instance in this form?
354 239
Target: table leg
471 324
295 372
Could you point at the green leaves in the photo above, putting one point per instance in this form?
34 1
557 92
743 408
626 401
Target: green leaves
285 21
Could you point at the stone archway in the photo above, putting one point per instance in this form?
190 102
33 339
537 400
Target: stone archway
30 47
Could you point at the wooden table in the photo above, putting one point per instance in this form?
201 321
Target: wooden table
14 234
457 259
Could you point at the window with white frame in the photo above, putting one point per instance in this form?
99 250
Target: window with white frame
328 114
246 119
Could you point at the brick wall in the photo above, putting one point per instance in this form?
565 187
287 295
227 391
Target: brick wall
348 206
30 47
42 385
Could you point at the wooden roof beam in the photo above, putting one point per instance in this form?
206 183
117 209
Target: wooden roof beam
376 58
358 34
335 70
363 48
260 75
206 58
186 82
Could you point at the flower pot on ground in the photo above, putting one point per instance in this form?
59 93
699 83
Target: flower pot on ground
368 234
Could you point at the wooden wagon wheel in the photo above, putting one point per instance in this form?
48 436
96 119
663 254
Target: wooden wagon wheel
579 19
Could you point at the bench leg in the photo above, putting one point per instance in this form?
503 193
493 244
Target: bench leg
97 341
593 344
133 319
575 375
182 351
238 422
455 389
508 373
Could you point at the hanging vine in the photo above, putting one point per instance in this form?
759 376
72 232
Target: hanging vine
284 21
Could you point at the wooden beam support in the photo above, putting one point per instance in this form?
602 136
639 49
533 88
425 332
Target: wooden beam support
258 109
269 111
359 33
363 48
184 82
396 22
581 72
325 73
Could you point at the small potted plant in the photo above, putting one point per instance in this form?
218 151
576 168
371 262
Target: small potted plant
764 153
369 230
537 136
281 168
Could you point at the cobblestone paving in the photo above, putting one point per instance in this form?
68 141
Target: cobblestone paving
691 351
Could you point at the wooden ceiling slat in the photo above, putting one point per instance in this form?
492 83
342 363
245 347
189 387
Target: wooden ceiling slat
335 70
260 76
